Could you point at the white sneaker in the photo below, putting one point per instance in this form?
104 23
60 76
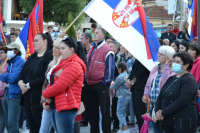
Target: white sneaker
126 131
135 129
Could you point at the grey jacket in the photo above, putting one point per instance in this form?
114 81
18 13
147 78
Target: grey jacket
120 85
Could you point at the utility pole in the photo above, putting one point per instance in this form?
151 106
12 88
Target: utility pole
182 12
198 24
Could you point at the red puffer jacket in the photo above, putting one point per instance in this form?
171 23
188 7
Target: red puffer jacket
67 88
196 69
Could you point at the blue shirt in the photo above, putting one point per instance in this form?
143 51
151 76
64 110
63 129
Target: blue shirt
110 65
154 92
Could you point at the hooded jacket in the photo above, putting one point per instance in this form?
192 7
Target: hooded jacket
68 86
14 68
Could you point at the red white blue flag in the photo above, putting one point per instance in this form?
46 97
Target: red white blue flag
32 27
192 19
127 22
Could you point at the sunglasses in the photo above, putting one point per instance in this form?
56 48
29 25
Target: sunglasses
70 40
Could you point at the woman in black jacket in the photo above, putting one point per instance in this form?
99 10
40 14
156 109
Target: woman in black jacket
32 78
176 106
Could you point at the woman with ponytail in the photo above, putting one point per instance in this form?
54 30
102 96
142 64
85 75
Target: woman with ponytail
66 85
32 78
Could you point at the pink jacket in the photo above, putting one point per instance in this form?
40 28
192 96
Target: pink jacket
196 69
166 73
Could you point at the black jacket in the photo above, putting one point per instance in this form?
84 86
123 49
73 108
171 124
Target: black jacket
183 36
182 109
171 36
141 73
39 77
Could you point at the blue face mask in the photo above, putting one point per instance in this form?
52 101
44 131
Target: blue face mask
177 68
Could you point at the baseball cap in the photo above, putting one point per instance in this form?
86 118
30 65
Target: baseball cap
13 45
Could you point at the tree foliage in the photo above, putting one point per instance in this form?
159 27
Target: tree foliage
71 32
57 10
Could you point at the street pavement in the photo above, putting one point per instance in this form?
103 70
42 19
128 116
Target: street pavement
86 129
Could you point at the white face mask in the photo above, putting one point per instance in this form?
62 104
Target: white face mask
55 28
10 54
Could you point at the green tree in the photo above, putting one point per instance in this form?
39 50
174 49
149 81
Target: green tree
57 10
71 32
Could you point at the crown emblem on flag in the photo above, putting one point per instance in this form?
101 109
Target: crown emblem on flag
125 14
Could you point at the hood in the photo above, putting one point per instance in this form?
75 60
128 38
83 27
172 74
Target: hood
75 58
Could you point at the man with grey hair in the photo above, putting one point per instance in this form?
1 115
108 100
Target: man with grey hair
86 40
56 31
99 75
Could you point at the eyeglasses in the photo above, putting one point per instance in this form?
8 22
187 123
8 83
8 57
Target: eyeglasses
159 54
2 52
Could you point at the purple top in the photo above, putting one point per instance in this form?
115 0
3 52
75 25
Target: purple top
166 73
2 84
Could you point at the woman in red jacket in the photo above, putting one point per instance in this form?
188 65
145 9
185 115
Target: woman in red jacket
194 51
67 78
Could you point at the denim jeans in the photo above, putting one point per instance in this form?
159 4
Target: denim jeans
121 109
64 120
155 128
22 117
46 123
132 114
11 112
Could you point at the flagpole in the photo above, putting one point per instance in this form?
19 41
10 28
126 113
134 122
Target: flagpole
3 35
73 21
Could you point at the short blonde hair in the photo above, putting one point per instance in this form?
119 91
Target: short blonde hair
168 51
56 43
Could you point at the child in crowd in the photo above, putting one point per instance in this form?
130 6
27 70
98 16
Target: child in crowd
123 94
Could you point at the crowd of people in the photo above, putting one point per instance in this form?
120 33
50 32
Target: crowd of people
47 89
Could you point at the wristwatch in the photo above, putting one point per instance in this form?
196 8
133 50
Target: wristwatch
28 86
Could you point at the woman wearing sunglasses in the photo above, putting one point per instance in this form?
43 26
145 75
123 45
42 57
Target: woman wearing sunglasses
65 86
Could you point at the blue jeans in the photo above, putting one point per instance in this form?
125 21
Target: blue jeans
64 120
46 123
11 113
155 128
22 117
121 109
132 114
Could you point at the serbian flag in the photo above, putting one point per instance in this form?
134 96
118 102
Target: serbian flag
32 27
127 22
192 20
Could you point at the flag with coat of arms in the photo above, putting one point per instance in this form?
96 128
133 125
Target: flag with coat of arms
127 22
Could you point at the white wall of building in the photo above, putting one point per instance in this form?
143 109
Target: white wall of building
162 3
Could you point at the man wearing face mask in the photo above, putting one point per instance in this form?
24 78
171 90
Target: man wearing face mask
11 99
56 31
